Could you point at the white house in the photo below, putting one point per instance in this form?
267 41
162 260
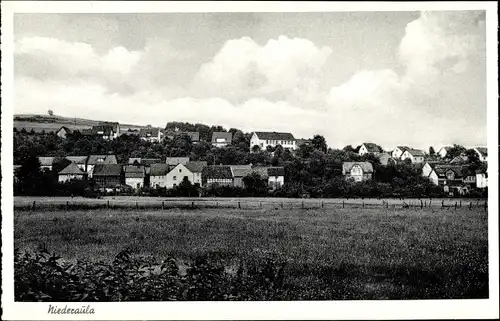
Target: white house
481 180
398 151
429 172
46 163
369 148
217 174
443 151
176 175
276 177
70 172
196 168
134 175
415 155
357 171
482 153
264 139
63 132
221 139
158 175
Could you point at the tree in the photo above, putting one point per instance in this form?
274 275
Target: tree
455 151
349 149
255 184
319 143
186 188
432 152
51 113
256 148
29 176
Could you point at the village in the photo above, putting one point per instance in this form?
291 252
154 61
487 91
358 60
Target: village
452 175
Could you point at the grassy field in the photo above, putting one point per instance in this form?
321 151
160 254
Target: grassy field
363 253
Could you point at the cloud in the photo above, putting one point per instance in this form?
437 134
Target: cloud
282 67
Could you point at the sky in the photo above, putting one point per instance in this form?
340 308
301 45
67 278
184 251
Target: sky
394 78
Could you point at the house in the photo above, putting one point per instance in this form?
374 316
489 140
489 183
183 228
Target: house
443 151
71 172
451 175
306 142
461 159
134 175
80 161
428 171
217 174
144 161
239 172
150 134
415 155
177 174
275 177
369 148
46 163
63 132
174 161
398 151
481 179
131 132
194 136
482 153
196 168
221 139
264 139
107 175
106 130
158 175
93 160
357 171
469 177
386 159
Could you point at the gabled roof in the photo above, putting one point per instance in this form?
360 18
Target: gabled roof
134 171
241 170
107 170
71 169
483 151
132 160
372 147
172 161
366 166
196 167
442 169
416 152
144 161
276 171
159 169
46 161
403 148
102 159
459 159
226 136
77 159
217 172
65 128
274 136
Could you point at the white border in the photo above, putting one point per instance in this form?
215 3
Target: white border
423 309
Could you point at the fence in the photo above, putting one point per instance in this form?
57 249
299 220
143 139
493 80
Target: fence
242 204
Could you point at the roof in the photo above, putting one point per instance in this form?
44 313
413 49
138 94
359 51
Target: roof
77 159
176 160
217 172
65 128
132 160
446 148
72 168
226 136
372 147
196 167
276 171
46 161
144 161
459 159
149 132
274 136
106 129
195 136
482 150
241 170
159 169
442 169
366 166
102 159
134 171
302 141
416 152
107 170
403 148
88 132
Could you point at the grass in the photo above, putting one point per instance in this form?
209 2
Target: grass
364 253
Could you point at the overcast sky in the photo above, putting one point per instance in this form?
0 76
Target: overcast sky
394 78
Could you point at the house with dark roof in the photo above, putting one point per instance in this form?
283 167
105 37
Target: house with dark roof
451 178
482 153
196 168
80 161
460 159
239 172
428 171
173 161
107 175
71 172
264 139
221 139
46 162
192 171
134 175
217 174
416 156
275 177
94 160
150 134
357 171
63 132
105 130
369 148
158 175
398 151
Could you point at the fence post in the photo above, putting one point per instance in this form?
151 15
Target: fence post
260 204
34 205
136 205
67 205
363 204
430 203
162 205
485 205
281 204
421 204
460 203
192 204
108 204
302 204
387 204
342 203
442 204
239 204
217 204
470 206
456 206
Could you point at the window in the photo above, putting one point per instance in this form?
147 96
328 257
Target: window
180 170
175 178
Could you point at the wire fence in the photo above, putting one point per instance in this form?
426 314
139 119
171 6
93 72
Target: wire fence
69 205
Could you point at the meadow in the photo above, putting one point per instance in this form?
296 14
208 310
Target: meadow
327 253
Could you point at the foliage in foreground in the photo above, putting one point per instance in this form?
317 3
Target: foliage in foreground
45 277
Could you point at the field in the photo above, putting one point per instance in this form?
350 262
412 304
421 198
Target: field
370 253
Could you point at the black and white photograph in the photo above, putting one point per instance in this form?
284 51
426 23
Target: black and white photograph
248 154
